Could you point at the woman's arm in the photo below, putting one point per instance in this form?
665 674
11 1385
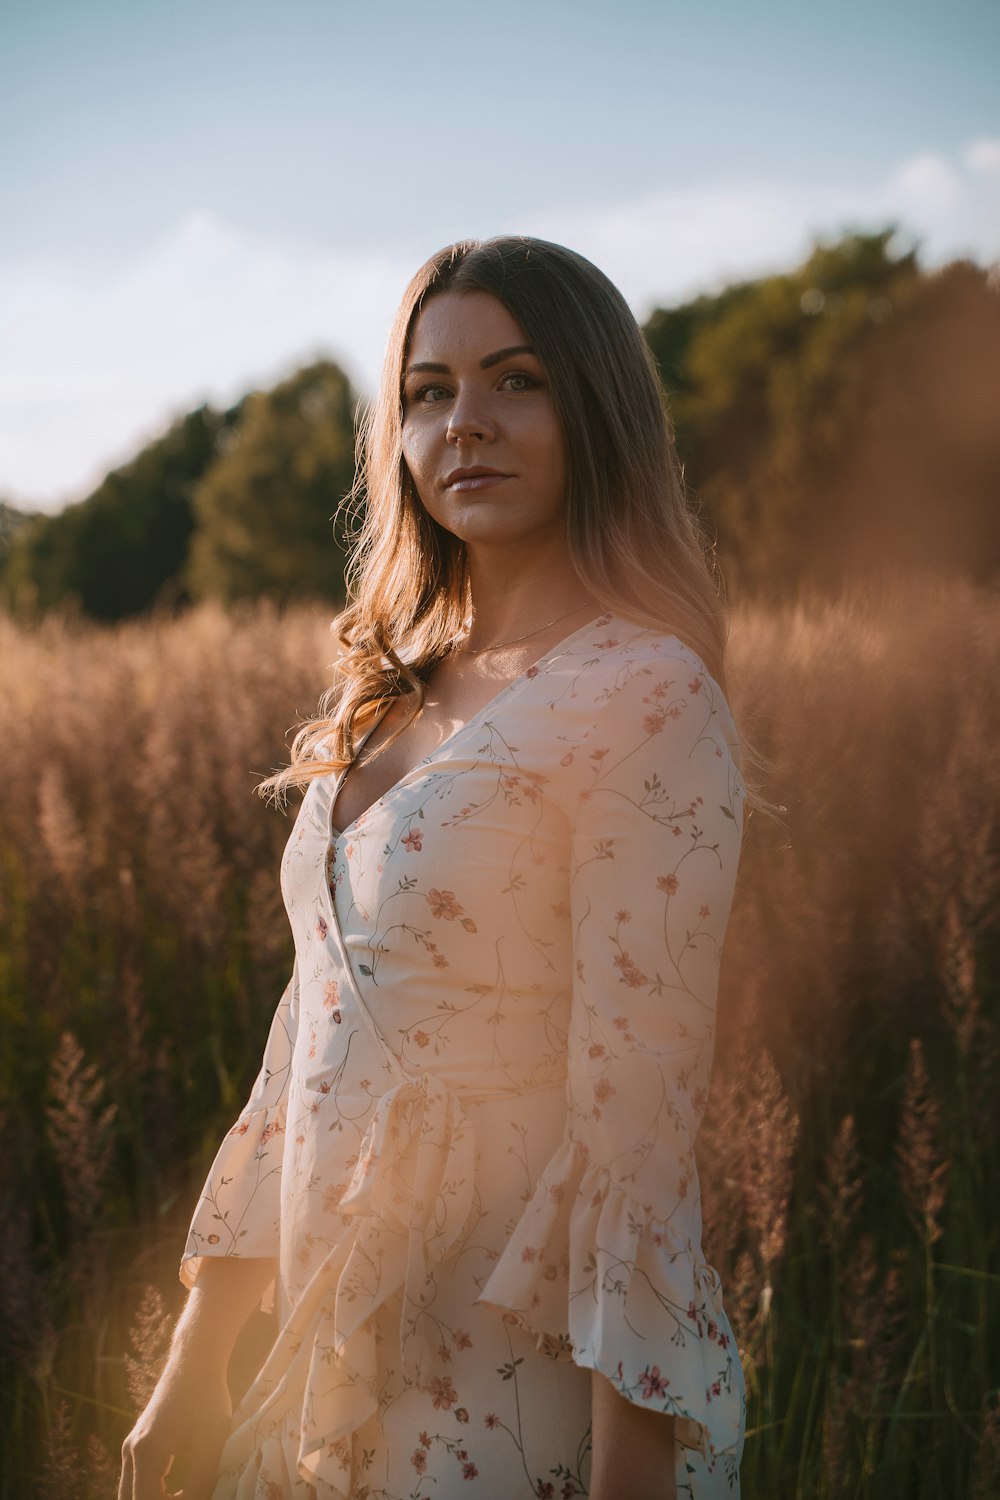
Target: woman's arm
633 1448
187 1416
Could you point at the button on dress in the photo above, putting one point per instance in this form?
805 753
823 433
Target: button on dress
470 1144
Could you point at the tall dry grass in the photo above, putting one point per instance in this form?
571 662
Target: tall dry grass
142 942
849 1155
863 955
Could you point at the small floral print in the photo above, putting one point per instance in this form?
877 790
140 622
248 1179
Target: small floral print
491 1419
631 974
443 1393
331 994
341 1451
668 883
418 1459
332 1194
413 841
653 1383
443 904
469 1470
461 1414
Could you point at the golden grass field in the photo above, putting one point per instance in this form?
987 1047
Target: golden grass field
849 1158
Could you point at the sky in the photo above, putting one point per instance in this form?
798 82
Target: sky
197 198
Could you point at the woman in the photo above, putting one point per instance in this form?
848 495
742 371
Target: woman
467 1162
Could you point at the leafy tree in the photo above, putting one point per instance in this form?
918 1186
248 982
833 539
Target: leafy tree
123 548
264 510
765 389
917 481
11 521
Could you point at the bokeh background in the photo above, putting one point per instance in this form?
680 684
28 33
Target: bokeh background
207 215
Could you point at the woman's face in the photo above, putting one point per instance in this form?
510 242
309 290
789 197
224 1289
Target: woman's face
480 434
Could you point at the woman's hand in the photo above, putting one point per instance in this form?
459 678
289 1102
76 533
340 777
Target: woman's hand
187 1417
633 1448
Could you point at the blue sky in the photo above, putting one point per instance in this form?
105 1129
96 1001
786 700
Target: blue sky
196 198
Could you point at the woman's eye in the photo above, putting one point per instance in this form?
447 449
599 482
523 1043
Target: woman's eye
424 393
517 380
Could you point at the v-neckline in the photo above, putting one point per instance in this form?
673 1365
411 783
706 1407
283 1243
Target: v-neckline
334 836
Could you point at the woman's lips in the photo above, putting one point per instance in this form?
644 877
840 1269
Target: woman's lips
477 476
478 481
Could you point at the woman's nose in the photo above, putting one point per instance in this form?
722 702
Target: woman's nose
468 419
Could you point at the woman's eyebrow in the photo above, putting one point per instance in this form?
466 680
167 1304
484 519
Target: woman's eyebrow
430 367
494 359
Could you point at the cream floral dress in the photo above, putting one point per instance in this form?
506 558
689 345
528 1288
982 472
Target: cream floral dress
470 1143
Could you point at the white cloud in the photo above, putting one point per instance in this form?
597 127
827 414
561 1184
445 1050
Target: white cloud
670 245
982 155
96 357
675 244
927 186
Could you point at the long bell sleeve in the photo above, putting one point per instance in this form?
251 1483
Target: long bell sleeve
605 1264
238 1212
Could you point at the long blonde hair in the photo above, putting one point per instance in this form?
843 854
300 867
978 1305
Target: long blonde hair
632 535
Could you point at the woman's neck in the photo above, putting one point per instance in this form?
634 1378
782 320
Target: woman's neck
509 599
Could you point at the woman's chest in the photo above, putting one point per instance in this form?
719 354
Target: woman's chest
442 914
403 739
472 844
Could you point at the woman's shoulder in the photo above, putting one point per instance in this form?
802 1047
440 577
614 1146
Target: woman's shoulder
618 667
614 648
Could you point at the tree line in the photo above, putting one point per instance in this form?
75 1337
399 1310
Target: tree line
834 420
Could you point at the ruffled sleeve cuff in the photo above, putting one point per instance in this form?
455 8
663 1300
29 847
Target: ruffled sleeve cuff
602 1281
239 1210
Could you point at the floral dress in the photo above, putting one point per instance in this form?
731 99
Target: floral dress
470 1144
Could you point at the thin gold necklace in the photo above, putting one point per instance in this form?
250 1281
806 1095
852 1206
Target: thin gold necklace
501 645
